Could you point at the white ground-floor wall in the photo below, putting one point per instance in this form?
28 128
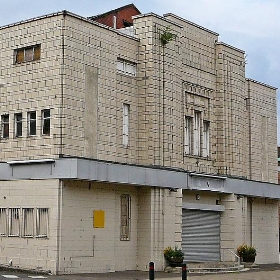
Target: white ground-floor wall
243 220
154 223
81 225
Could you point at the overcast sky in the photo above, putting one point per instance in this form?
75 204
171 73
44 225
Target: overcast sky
250 25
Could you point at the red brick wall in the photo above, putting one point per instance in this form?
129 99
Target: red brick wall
121 14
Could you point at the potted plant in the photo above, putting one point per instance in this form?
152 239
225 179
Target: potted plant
174 256
247 253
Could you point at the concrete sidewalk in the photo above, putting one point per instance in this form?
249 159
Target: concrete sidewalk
262 272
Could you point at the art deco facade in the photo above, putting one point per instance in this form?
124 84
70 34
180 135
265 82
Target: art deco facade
115 142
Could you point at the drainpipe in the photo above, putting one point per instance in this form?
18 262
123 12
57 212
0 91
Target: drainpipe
248 101
62 85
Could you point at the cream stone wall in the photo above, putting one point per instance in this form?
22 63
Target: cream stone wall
155 224
31 252
31 86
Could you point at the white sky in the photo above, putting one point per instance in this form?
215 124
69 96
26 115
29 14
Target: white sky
250 25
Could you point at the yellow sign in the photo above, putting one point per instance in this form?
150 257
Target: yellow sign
98 219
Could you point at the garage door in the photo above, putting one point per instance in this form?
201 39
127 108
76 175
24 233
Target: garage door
201 235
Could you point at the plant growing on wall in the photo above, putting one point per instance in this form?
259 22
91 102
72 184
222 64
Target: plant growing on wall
167 36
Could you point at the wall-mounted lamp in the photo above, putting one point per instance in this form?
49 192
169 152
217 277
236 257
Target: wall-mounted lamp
197 197
239 196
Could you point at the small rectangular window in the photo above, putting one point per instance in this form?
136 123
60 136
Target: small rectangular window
5 126
42 222
14 224
3 221
125 217
46 122
28 222
31 123
18 125
126 108
30 53
126 67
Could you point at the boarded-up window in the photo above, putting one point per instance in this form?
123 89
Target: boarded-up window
26 54
3 221
28 222
125 217
125 124
14 224
42 222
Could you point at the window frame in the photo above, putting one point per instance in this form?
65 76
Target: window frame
14 222
125 217
5 121
188 135
32 123
206 139
28 222
18 125
126 111
126 67
197 133
27 54
3 221
46 122
42 214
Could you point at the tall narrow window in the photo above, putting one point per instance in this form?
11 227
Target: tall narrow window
28 222
31 123
5 126
206 139
3 221
125 217
196 133
46 122
14 222
42 222
125 124
18 125
188 122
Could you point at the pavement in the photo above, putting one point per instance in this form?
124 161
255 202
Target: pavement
260 272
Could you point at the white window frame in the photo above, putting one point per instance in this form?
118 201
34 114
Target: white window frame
18 124
46 121
187 142
32 121
125 217
42 222
3 221
126 67
196 133
28 222
126 109
14 222
206 139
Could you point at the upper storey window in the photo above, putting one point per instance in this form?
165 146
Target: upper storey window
30 53
126 67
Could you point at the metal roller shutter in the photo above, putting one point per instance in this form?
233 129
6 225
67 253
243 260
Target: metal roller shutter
201 235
